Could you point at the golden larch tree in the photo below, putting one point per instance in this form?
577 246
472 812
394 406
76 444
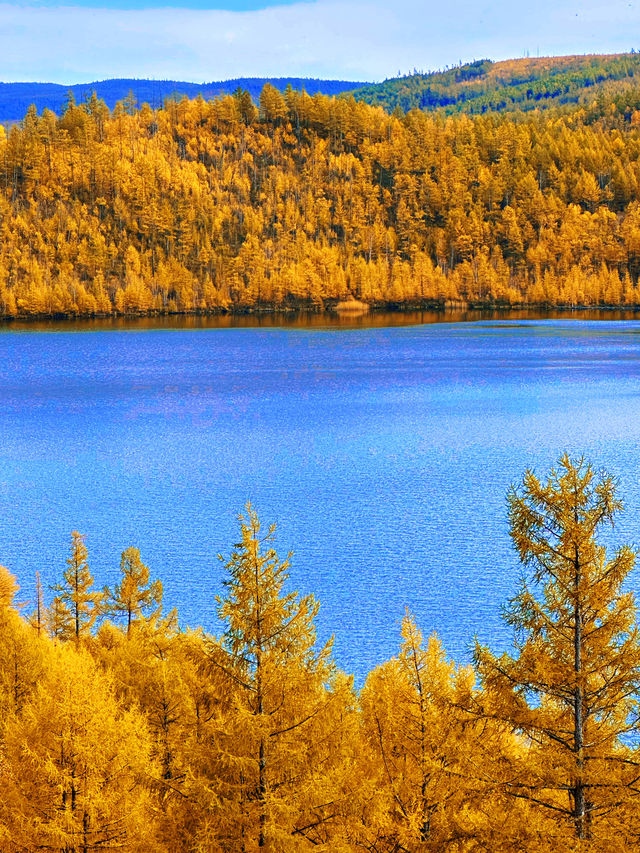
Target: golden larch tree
570 687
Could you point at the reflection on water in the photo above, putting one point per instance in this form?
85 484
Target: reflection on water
316 320
384 454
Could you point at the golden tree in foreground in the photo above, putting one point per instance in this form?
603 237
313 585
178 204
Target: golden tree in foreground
570 687
76 606
420 748
77 766
280 740
135 597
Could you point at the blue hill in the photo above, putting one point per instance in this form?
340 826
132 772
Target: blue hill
15 98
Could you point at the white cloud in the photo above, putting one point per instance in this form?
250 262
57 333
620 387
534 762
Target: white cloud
350 39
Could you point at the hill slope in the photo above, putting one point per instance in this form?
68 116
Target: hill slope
206 206
515 84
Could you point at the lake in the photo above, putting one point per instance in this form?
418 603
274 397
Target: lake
383 453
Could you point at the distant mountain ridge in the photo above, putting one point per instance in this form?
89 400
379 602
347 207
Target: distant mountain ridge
15 98
511 85
476 88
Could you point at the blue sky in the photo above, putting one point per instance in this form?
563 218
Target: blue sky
232 6
338 39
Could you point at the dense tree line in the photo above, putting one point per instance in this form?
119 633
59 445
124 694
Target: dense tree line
16 98
540 83
118 731
209 206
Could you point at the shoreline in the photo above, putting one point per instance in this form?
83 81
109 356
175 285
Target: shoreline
304 316
348 310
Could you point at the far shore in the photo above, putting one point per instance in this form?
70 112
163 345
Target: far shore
350 313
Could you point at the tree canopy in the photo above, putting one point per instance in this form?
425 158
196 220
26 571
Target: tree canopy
204 206
135 735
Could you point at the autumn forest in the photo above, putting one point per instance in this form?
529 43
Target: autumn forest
305 201
120 731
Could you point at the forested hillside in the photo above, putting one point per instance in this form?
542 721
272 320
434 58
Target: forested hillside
209 206
511 85
16 98
118 731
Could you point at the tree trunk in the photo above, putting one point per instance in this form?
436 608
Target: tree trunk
579 806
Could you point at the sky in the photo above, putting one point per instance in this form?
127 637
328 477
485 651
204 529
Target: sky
368 40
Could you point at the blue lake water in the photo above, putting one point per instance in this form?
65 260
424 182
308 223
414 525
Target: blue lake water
383 454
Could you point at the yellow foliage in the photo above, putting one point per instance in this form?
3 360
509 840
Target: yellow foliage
148 739
202 206
8 587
